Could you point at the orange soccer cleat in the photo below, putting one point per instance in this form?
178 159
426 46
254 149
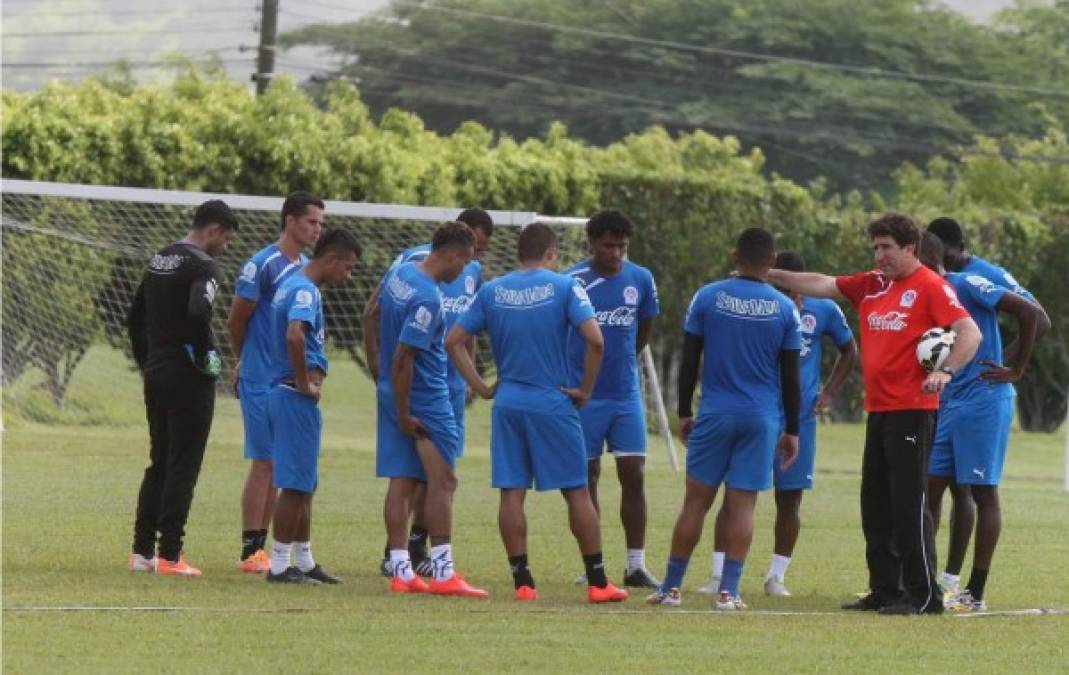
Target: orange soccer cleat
416 585
526 594
455 585
177 569
257 563
608 594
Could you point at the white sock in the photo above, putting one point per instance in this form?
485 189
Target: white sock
778 569
402 564
949 580
636 559
280 557
718 564
303 555
442 562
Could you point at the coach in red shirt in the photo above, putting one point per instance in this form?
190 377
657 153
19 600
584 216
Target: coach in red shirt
896 304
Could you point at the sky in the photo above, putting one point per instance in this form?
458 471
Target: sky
71 38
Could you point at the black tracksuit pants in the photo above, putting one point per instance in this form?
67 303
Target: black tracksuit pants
179 402
899 540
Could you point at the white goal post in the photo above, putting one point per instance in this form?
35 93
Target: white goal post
72 255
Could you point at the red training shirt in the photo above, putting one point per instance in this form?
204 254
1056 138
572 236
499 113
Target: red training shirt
893 314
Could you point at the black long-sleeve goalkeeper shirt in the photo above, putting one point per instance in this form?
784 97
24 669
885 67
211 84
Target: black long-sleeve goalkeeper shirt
173 308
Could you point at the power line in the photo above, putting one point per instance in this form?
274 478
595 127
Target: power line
736 53
133 12
130 31
54 65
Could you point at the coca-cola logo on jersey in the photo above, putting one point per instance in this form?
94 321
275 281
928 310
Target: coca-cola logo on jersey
889 321
621 316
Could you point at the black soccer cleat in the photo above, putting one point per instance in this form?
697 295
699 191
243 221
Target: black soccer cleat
423 567
640 578
898 609
292 575
321 575
868 603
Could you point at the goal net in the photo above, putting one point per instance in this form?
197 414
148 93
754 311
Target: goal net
74 254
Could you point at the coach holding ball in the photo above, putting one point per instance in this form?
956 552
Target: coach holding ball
897 303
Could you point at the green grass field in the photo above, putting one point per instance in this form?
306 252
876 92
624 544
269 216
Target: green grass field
69 486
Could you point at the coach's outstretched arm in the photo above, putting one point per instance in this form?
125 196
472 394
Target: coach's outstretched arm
595 349
457 344
688 381
813 284
965 345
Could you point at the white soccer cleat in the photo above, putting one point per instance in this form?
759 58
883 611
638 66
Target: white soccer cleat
711 588
964 603
669 598
775 588
139 563
726 602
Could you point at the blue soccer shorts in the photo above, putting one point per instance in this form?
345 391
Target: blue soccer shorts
458 399
970 441
395 451
799 476
253 398
618 423
543 449
736 450
296 430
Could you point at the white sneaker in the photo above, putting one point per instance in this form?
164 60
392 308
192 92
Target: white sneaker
139 563
726 602
950 591
669 598
711 588
775 587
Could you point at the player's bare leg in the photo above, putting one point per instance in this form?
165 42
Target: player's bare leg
988 529
788 526
738 510
512 524
631 470
417 534
395 511
292 526
583 520
257 508
962 519
593 473
698 498
713 585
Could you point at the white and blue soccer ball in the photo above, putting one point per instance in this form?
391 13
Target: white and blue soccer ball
934 347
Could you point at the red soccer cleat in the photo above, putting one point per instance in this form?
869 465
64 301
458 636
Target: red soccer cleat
608 594
455 585
526 594
416 585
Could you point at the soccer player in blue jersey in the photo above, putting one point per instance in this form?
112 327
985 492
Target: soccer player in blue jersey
249 328
624 297
417 440
975 413
963 511
456 296
536 436
298 369
747 334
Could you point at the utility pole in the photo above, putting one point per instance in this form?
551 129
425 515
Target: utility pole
265 61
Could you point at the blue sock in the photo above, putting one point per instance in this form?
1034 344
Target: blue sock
732 574
673 575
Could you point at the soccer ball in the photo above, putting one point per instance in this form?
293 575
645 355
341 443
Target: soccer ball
934 347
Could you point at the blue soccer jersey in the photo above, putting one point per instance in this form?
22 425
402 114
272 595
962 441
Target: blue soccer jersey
819 317
996 275
529 314
620 302
980 297
456 297
745 324
260 277
297 299
411 314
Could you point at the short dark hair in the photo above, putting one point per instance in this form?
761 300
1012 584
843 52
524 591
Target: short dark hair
900 227
949 231
452 234
338 241
477 219
609 222
214 211
535 240
790 261
297 203
931 250
755 246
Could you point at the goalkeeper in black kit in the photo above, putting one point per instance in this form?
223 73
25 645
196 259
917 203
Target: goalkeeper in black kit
171 335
